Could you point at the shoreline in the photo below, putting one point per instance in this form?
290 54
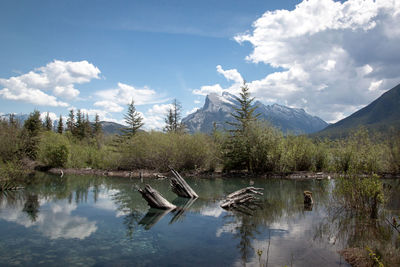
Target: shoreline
138 174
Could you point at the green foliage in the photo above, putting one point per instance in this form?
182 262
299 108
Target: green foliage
238 147
360 194
48 124
297 154
173 117
133 119
156 150
12 170
358 154
60 126
264 146
53 149
10 141
30 134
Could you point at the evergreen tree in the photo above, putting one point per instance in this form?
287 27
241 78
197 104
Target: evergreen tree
12 121
97 130
87 129
79 125
173 118
71 122
133 119
48 124
238 146
31 130
60 127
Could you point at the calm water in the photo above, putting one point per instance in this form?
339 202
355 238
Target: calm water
96 221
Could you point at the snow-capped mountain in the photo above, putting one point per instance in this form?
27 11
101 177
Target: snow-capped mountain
218 108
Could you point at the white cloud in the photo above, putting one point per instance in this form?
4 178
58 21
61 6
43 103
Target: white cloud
208 89
159 109
230 75
109 106
57 76
331 53
52 116
124 94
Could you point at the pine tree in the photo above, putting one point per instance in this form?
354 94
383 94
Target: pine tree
133 119
173 118
48 124
87 129
71 122
79 125
238 147
31 130
97 130
60 126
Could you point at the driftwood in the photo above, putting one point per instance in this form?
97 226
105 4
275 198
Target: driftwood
155 199
180 187
244 200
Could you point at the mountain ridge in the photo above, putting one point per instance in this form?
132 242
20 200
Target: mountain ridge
218 108
379 115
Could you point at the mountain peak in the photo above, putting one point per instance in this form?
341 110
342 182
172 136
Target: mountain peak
218 108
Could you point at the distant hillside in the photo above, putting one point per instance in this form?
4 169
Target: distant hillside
111 127
218 109
107 126
380 115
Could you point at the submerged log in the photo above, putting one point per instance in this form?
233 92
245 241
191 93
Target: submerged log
180 187
155 199
244 200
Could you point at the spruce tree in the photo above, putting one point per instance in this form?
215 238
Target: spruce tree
173 118
133 119
60 126
238 146
31 130
97 130
48 124
71 122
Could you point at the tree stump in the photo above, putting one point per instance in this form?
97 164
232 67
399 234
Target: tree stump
180 187
155 199
308 200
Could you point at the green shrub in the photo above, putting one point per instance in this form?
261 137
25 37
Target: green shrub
157 151
53 149
10 141
298 154
360 194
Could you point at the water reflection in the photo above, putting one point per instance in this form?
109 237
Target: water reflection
85 215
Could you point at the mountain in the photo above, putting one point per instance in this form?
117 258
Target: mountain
380 115
218 109
107 126
111 127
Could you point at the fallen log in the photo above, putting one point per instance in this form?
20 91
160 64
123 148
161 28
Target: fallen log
244 200
180 187
155 199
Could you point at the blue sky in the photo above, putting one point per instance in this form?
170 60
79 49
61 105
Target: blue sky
97 55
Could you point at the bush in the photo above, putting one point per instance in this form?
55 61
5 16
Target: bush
298 154
360 194
157 151
53 149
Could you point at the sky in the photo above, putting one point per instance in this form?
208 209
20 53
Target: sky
329 57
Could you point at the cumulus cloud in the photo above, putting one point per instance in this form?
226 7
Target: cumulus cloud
230 75
52 116
113 100
336 56
57 77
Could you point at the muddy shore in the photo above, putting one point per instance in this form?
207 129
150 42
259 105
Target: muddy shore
154 174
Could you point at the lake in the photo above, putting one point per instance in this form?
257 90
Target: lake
98 221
